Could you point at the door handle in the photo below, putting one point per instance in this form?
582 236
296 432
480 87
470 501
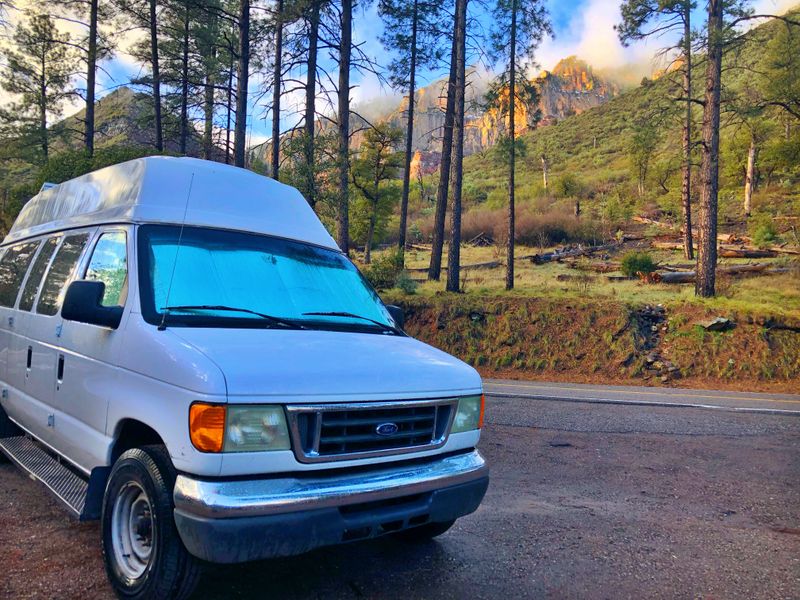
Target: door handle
60 375
30 358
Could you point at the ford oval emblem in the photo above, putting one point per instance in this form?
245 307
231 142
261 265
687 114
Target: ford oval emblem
387 429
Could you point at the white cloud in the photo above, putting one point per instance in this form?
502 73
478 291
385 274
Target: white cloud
591 36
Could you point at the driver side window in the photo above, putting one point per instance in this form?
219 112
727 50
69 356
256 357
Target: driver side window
109 264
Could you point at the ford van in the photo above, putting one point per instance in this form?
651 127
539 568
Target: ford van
186 355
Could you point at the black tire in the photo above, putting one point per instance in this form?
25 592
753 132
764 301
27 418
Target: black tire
424 533
167 571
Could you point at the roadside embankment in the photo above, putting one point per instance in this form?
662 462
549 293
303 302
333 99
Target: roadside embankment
609 342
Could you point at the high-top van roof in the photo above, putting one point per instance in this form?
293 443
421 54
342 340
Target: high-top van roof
160 189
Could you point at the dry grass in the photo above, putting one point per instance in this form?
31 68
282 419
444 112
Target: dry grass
772 295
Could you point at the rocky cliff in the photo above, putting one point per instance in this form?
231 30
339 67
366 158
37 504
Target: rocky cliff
570 88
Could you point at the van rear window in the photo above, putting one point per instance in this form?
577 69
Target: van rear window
13 267
60 273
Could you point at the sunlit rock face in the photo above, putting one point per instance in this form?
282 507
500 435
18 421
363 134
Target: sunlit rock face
570 88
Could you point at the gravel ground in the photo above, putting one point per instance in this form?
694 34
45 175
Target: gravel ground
586 500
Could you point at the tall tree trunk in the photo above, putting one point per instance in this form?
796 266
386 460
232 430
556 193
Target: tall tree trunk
454 245
184 126
276 91
229 106
440 212
91 73
709 169
545 168
156 77
311 96
43 108
686 187
749 180
242 79
412 88
512 156
343 219
208 107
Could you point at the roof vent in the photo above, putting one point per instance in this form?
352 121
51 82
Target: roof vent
46 186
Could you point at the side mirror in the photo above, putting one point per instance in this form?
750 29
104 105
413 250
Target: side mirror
82 303
398 315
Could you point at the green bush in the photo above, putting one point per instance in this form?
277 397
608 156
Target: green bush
382 273
763 231
405 283
634 263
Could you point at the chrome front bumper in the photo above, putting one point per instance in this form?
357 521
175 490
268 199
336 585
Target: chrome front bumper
260 497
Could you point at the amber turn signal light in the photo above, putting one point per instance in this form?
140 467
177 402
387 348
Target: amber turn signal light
207 426
483 406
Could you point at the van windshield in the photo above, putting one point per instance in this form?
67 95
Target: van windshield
218 278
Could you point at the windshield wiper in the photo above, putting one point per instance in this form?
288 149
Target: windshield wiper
220 307
350 315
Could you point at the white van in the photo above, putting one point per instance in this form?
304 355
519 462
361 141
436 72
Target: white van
187 355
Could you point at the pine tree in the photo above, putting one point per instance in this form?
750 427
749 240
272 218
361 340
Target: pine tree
242 79
642 19
411 31
343 118
440 210
37 73
519 26
143 14
454 244
88 14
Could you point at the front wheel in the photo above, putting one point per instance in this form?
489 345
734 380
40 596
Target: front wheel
423 533
144 556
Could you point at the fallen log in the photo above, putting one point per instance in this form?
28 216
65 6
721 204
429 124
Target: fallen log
739 251
729 238
745 253
492 264
540 259
734 271
595 267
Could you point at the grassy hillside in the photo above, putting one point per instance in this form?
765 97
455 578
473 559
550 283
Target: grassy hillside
590 160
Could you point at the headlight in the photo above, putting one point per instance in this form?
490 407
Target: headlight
238 428
469 415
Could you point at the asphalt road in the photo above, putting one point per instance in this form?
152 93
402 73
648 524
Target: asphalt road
621 394
587 500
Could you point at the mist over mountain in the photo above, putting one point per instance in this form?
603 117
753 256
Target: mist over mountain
571 88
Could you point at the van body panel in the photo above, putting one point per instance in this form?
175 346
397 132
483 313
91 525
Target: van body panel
164 189
329 366
165 409
167 357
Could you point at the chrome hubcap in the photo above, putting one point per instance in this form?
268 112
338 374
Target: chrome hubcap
132 531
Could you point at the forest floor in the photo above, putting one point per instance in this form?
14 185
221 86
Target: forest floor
564 322
765 295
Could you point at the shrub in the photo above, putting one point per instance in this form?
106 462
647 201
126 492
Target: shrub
634 263
763 232
404 282
382 273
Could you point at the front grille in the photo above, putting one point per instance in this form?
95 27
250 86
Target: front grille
346 431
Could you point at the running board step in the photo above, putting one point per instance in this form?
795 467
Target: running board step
68 486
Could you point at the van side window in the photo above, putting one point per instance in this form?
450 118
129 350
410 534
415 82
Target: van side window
36 274
109 264
60 272
13 267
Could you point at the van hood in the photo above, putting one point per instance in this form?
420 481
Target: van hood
320 366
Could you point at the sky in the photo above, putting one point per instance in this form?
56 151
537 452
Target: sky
584 28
